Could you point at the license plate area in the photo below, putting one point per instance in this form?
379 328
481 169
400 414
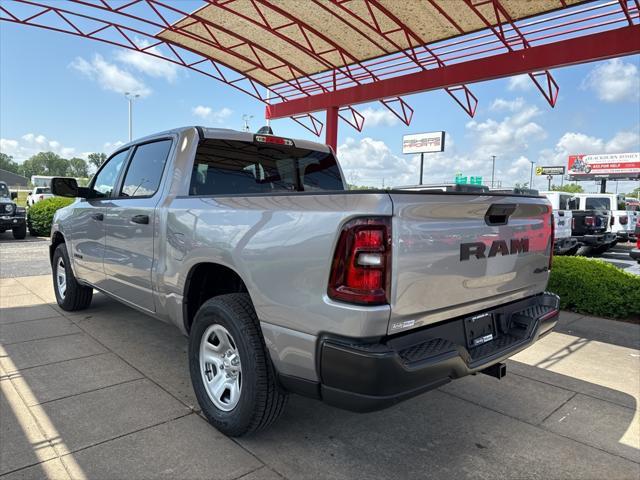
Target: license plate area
479 329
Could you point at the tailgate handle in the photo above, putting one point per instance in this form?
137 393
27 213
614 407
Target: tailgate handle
499 213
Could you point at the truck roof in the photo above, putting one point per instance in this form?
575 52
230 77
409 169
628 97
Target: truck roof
226 134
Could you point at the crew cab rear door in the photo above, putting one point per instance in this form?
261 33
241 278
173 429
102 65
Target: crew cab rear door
129 225
456 254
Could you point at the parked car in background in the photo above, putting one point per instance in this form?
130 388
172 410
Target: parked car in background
284 280
635 252
38 194
12 217
622 221
591 228
564 241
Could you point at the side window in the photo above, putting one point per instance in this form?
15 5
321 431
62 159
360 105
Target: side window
145 169
105 179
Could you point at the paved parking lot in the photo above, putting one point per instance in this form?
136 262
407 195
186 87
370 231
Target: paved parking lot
106 394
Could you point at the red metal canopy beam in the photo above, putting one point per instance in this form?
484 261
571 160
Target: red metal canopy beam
598 46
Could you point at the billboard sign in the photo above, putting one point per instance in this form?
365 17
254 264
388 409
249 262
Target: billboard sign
609 165
423 142
549 170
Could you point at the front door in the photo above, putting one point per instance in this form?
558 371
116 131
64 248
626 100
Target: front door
130 223
87 225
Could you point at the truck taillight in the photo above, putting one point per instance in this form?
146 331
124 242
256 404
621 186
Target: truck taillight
553 237
624 220
361 268
573 224
589 221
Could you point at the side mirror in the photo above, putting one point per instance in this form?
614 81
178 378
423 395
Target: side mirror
67 187
14 195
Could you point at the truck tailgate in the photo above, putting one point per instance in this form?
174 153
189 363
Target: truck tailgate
456 254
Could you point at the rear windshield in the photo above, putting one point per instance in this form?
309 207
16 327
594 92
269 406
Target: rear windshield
43 190
225 167
595 203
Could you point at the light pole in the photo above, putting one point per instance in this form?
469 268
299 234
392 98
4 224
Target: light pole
131 97
245 119
493 168
531 176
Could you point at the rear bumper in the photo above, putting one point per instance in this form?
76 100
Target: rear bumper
597 239
363 377
563 245
635 254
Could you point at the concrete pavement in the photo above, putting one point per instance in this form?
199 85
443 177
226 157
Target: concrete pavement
105 393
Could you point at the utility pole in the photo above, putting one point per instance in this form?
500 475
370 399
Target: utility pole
493 169
531 176
421 166
131 97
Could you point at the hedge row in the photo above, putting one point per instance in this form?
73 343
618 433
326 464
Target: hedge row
594 287
40 215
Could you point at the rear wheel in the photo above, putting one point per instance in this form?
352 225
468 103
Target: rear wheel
70 295
20 232
231 372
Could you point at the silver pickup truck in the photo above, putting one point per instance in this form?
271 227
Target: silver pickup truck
285 281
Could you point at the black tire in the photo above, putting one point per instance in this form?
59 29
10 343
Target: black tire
261 400
20 233
77 296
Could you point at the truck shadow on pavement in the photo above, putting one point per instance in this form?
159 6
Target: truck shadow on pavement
106 393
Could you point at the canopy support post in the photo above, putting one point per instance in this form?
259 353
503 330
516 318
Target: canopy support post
331 138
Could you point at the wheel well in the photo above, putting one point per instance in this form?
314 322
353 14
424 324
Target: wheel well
56 240
205 281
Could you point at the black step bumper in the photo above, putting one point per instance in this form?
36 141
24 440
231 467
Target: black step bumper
597 240
371 376
564 245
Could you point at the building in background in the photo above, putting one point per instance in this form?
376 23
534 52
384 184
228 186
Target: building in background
13 179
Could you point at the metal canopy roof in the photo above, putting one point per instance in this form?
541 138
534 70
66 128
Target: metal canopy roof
304 56
282 40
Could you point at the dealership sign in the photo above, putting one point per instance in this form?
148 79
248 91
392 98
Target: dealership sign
423 142
549 170
610 165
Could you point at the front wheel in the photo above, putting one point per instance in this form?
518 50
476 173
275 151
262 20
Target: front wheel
231 372
70 295
19 233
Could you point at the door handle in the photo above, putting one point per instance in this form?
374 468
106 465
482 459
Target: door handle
97 216
142 219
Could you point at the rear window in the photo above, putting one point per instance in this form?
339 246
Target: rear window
564 202
595 203
225 167
43 190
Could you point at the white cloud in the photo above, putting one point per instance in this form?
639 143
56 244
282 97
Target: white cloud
30 144
520 82
109 76
511 105
511 134
572 143
148 64
614 81
215 116
110 147
374 117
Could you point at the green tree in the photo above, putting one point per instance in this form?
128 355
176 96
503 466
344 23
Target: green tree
569 188
45 163
97 159
7 163
78 168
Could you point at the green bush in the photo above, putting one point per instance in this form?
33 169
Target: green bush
40 216
594 287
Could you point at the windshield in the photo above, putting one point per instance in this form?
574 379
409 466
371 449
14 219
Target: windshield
43 190
224 167
595 203
4 190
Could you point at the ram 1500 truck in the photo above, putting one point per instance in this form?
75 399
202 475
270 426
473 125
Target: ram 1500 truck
284 281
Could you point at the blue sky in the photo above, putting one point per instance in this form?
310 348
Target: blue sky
65 94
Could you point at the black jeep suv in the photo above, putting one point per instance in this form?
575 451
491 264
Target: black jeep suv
12 217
